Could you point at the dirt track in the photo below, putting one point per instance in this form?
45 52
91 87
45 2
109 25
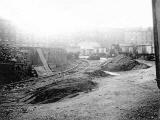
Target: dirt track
132 95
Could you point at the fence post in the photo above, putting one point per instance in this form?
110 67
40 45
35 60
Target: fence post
156 30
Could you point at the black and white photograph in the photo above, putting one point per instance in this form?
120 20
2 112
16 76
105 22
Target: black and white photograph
79 59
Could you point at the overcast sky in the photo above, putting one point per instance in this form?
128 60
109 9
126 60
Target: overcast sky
60 16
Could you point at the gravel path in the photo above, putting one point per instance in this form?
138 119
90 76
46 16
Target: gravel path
132 95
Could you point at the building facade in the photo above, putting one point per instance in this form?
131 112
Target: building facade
139 36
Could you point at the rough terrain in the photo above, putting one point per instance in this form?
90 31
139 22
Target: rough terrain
132 95
123 63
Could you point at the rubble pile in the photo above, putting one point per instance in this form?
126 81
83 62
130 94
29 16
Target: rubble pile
59 90
123 63
141 66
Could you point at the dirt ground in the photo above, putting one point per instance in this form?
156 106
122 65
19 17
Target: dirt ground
132 95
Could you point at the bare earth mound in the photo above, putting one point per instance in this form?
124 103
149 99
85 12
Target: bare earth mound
59 90
123 63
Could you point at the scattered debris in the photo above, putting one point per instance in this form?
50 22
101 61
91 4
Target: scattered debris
123 63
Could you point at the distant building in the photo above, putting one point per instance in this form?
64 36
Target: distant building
139 36
127 48
87 52
100 50
93 51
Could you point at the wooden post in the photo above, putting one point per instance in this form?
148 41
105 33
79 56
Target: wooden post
156 30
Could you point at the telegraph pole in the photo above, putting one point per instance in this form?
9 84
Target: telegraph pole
156 30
